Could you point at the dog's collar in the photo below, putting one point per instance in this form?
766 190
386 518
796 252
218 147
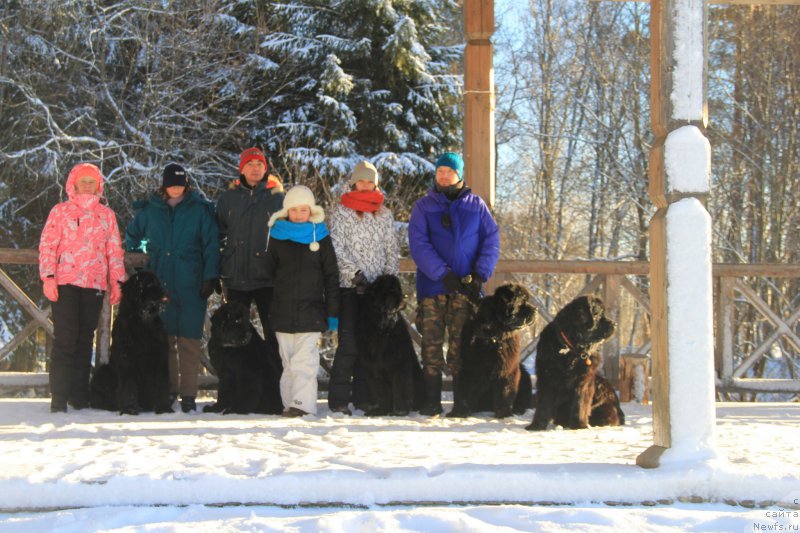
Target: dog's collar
566 340
569 347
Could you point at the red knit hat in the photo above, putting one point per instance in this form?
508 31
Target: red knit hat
250 154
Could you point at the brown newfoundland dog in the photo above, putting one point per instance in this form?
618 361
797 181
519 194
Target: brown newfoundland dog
492 377
569 392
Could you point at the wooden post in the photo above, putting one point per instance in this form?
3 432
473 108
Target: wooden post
725 328
102 335
680 261
634 369
611 299
479 149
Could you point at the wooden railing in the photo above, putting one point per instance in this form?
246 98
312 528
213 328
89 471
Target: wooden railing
612 280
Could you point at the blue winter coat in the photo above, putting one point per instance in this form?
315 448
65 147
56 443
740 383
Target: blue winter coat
183 248
470 244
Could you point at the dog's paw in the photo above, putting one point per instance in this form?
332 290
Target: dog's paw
400 412
536 427
129 411
376 411
164 410
458 413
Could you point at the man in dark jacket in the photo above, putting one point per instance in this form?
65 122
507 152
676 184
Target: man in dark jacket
243 212
455 243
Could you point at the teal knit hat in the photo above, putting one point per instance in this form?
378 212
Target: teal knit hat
452 160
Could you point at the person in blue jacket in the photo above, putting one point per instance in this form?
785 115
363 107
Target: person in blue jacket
455 243
176 227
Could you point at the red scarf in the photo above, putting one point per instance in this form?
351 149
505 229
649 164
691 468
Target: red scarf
365 201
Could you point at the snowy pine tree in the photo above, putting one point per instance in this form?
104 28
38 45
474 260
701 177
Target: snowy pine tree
378 80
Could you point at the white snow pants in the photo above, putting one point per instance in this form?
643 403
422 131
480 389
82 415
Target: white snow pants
300 357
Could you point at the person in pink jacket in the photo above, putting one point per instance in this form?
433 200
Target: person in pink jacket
80 258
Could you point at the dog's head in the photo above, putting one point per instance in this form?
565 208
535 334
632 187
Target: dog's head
144 293
507 310
384 300
584 324
230 325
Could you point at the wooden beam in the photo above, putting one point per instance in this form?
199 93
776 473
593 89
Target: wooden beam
479 133
16 256
18 339
759 385
728 2
41 379
627 268
24 300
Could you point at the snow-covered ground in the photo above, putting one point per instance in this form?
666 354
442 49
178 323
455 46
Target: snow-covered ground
93 470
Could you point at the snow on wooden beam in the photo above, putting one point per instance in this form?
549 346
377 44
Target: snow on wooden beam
759 385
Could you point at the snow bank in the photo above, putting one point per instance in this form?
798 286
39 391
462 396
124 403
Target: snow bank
93 458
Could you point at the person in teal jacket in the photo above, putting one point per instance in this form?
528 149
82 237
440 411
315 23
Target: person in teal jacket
177 228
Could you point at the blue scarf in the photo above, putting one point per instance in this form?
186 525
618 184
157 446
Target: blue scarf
302 232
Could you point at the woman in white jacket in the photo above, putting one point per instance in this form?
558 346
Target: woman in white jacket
366 246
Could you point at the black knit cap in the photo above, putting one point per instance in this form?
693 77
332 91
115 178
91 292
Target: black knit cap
174 174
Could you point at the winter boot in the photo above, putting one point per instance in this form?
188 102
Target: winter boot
458 400
188 404
58 405
433 395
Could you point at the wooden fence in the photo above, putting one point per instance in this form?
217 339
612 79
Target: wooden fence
610 279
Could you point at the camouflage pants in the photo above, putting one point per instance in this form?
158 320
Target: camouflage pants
435 315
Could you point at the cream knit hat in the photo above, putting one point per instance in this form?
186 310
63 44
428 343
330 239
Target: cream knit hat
364 171
297 196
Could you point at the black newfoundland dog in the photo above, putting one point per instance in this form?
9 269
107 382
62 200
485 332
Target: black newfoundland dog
248 369
568 390
492 377
136 377
385 350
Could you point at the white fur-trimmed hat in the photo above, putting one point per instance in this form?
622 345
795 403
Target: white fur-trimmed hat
364 171
297 196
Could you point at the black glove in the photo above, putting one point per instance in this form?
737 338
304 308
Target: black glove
208 288
451 282
474 286
360 282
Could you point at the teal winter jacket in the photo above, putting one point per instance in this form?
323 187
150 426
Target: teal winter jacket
183 248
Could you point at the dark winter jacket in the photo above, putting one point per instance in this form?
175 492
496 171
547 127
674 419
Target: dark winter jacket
306 285
470 244
242 215
183 248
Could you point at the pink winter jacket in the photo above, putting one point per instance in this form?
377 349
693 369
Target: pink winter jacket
80 242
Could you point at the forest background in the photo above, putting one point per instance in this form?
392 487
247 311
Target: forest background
322 84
